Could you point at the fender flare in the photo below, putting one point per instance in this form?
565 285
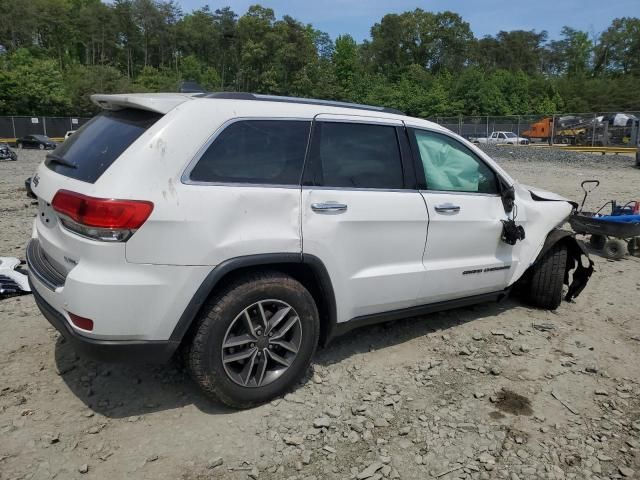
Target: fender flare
575 252
212 280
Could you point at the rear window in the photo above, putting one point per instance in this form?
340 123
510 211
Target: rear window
255 151
94 147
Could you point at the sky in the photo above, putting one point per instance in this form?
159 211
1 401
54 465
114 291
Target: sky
486 17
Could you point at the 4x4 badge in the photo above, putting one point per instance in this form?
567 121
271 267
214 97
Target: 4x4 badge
35 180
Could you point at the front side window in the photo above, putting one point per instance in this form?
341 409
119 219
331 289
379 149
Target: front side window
356 155
450 166
255 151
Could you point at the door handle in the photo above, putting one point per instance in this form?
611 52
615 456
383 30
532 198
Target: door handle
328 207
447 208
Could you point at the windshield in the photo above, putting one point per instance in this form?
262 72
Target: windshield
96 145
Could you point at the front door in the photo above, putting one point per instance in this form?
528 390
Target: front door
360 216
464 255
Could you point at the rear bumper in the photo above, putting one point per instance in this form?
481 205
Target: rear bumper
149 351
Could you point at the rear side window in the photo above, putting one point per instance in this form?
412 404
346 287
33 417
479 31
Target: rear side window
355 155
255 151
89 152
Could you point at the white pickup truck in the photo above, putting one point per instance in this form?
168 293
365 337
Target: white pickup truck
502 138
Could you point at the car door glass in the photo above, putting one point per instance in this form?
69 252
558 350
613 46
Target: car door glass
450 166
502 136
255 151
356 155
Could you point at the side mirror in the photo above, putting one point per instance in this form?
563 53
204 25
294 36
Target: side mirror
508 198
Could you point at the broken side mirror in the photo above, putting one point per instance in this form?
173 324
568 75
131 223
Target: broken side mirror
508 195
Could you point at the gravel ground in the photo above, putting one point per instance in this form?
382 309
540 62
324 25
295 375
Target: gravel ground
493 391
557 156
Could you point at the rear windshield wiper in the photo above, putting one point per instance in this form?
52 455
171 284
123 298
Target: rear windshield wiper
53 158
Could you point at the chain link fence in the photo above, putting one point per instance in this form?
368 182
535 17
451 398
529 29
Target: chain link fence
583 129
599 129
54 127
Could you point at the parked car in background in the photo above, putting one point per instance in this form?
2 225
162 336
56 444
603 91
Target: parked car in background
6 153
41 142
69 133
502 138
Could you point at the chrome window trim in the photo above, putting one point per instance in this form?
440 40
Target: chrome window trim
360 189
362 119
185 177
454 192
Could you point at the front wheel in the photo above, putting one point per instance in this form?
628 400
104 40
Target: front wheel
547 278
254 340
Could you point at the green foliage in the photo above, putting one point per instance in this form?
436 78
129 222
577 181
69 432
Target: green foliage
55 53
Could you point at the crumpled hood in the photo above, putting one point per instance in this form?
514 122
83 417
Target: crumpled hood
544 194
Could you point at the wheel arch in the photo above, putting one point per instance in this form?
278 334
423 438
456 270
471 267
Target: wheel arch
575 251
309 270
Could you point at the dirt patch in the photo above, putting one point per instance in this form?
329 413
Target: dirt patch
513 403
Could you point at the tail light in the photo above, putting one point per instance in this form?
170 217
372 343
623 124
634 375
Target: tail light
105 219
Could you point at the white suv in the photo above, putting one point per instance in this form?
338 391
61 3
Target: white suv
247 229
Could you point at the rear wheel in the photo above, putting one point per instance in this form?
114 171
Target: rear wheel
614 249
547 278
254 340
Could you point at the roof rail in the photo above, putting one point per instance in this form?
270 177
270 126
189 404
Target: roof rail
305 101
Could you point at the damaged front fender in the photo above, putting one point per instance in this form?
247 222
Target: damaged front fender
575 253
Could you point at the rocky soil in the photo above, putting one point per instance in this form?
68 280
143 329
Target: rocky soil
493 391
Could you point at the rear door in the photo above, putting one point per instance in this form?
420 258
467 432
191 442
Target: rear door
361 214
464 255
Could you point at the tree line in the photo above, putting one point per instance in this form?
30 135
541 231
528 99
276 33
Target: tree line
55 53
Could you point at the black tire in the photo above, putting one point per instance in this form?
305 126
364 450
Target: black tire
614 249
547 278
597 241
204 355
634 246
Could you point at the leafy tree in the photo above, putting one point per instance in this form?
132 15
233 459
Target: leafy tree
55 53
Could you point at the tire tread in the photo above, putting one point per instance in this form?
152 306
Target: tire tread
545 288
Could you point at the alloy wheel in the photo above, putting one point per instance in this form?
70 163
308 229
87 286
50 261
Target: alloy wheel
261 343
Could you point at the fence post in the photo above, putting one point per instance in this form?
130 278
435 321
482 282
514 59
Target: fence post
44 125
13 125
487 134
593 131
459 124
553 129
518 131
